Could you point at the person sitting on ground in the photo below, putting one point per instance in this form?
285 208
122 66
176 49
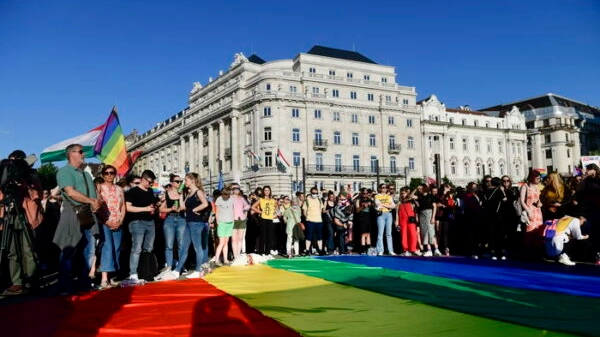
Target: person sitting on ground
559 232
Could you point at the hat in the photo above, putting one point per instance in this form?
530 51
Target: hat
17 154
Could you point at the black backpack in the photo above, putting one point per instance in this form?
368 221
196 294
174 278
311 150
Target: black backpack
148 266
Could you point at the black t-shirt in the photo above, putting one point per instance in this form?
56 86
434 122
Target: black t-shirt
140 198
426 201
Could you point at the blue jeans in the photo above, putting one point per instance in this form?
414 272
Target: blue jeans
197 231
174 229
142 236
87 246
384 223
111 249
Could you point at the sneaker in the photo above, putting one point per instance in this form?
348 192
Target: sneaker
392 254
13 290
161 274
474 257
416 253
133 277
447 252
503 258
494 258
379 254
564 259
167 276
195 274
406 254
437 252
428 253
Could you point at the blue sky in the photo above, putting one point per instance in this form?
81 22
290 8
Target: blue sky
64 64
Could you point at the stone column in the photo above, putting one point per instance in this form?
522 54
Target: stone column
212 141
236 145
221 151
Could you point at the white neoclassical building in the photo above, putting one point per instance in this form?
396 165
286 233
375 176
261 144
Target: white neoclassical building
560 130
471 144
337 117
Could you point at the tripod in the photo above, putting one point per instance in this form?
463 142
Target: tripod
18 244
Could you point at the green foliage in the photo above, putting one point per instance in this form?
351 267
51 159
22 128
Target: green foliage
414 182
47 173
445 180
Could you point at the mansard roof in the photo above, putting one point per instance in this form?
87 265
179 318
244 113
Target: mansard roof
543 101
339 54
256 59
467 112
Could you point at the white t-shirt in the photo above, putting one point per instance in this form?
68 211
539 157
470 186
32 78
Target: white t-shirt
224 209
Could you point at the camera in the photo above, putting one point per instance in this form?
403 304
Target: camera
16 174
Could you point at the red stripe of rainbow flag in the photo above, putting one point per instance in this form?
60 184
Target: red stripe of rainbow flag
110 147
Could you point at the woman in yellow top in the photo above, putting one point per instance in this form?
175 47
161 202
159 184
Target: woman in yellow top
384 204
265 207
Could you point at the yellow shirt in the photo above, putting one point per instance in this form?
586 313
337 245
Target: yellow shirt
383 199
312 208
267 206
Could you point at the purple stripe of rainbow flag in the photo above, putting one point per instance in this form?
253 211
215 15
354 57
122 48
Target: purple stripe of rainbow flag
110 147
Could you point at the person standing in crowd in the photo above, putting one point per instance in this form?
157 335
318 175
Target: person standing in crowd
111 234
530 201
473 214
328 225
384 205
293 226
197 215
427 210
224 217
588 197
343 214
364 206
509 217
174 226
447 205
407 220
141 203
313 208
77 188
240 215
265 208
495 235
552 197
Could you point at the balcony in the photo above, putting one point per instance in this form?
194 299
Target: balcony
352 170
394 148
320 145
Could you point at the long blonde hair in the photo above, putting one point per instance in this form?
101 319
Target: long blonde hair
557 184
195 177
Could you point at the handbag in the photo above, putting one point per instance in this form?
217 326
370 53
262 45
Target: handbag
412 219
84 215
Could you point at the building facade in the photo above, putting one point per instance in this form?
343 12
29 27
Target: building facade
471 144
559 131
339 119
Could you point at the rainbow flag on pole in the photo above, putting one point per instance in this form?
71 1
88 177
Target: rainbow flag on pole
110 147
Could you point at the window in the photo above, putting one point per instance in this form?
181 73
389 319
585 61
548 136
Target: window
319 161
372 140
409 123
465 145
411 143
477 148
548 154
374 164
312 70
336 116
453 168
317 114
392 141
370 97
475 123
293 89
353 94
547 139
388 98
367 77
411 164
335 93
371 119
331 72
295 135
295 113
500 147
451 120
464 122
356 163
568 154
466 167
315 90
268 87
391 120
451 143
338 163
296 158
489 146
267 133
355 138
349 75
478 169
318 137
267 111
354 118
268 159
501 165
337 138
404 101
384 79
393 165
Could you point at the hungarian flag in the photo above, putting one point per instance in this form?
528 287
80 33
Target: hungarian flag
57 152
280 159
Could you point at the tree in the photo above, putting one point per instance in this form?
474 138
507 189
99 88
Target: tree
47 173
414 182
445 180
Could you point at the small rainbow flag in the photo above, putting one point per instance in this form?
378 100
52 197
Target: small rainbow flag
110 147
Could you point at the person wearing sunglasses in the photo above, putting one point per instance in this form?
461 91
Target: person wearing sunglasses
173 227
140 201
76 242
112 232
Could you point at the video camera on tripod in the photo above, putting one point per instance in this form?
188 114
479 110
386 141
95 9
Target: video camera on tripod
16 174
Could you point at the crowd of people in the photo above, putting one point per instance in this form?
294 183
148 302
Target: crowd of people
495 219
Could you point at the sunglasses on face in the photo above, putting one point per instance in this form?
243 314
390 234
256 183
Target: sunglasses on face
78 151
107 173
150 181
178 181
